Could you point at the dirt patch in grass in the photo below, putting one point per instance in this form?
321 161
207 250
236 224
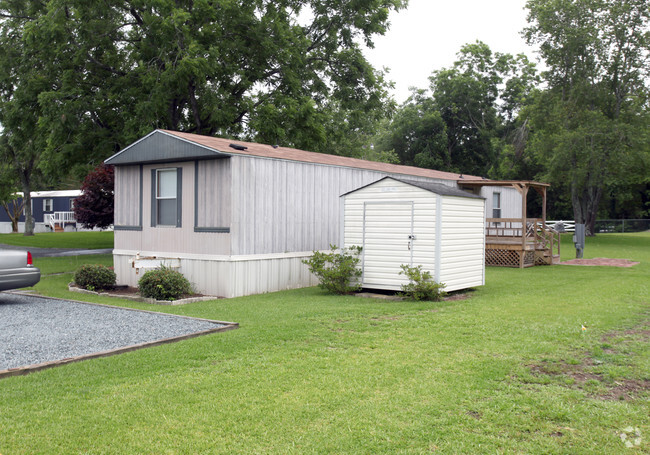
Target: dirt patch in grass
579 377
457 296
585 373
601 261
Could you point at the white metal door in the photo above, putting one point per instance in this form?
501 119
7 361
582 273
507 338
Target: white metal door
388 242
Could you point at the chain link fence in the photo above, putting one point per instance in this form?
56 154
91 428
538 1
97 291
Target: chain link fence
622 226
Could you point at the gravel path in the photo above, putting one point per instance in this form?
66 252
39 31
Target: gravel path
35 330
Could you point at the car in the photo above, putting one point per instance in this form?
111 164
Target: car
17 270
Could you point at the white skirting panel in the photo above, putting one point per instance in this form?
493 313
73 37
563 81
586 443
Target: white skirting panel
224 276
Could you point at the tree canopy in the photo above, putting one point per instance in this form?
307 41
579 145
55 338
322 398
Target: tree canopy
276 71
468 115
590 126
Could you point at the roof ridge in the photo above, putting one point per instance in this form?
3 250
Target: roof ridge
293 154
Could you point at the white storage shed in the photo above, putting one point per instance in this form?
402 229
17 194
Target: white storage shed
400 221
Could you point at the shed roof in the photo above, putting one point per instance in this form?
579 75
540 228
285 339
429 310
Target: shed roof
437 188
165 146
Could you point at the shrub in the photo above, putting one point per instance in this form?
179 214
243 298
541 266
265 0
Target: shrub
164 283
95 277
421 286
336 271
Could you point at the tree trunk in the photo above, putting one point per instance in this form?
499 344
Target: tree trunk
27 198
585 206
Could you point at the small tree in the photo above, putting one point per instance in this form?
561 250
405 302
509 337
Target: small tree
14 208
11 201
94 208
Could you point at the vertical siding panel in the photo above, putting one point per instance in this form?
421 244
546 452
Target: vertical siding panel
236 204
127 195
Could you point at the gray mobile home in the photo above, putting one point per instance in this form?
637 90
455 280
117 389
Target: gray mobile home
237 218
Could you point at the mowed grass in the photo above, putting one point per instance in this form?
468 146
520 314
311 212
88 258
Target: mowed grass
507 370
84 240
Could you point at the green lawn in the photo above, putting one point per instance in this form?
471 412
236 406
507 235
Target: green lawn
508 370
87 240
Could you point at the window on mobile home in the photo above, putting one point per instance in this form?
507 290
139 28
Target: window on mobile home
166 197
496 205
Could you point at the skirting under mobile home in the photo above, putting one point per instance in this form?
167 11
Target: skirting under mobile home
399 222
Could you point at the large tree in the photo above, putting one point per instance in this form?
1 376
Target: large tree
590 125
278 71
24 77
468 115
479 98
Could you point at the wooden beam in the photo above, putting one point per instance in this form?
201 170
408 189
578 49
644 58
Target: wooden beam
524 196
544 208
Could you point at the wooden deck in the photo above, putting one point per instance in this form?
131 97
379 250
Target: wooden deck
505 246
518 242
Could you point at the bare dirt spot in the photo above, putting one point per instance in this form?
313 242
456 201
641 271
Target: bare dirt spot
459 296
579 377
386 318
584 373
601 261
641 331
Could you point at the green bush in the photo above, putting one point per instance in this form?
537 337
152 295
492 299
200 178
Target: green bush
421 286
336 272
95 277
164 283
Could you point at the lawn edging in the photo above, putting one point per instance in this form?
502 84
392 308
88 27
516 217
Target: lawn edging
137 298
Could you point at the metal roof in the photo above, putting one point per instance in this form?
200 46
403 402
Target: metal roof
166 146
529 183
437 188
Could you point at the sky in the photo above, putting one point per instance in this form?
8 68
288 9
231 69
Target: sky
428 34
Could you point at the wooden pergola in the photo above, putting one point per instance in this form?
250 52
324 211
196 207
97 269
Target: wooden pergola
518 242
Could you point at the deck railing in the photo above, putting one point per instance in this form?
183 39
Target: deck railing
59 218
536 234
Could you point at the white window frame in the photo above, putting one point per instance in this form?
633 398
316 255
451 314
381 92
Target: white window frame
159 198
496 205
48 202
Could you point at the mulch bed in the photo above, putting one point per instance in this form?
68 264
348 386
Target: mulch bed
601 261
131 293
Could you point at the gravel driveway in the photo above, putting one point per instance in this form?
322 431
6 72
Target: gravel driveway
35 330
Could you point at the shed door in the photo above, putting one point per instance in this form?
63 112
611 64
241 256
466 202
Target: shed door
387 243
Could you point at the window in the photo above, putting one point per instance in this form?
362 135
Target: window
496 205
166 203
47 205
71 205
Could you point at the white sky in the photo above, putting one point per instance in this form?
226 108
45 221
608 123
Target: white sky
427 35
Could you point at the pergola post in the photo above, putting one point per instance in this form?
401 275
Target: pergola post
523 189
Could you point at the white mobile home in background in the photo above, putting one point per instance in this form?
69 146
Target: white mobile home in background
238 218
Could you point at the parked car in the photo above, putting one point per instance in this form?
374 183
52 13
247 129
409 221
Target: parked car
17 270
